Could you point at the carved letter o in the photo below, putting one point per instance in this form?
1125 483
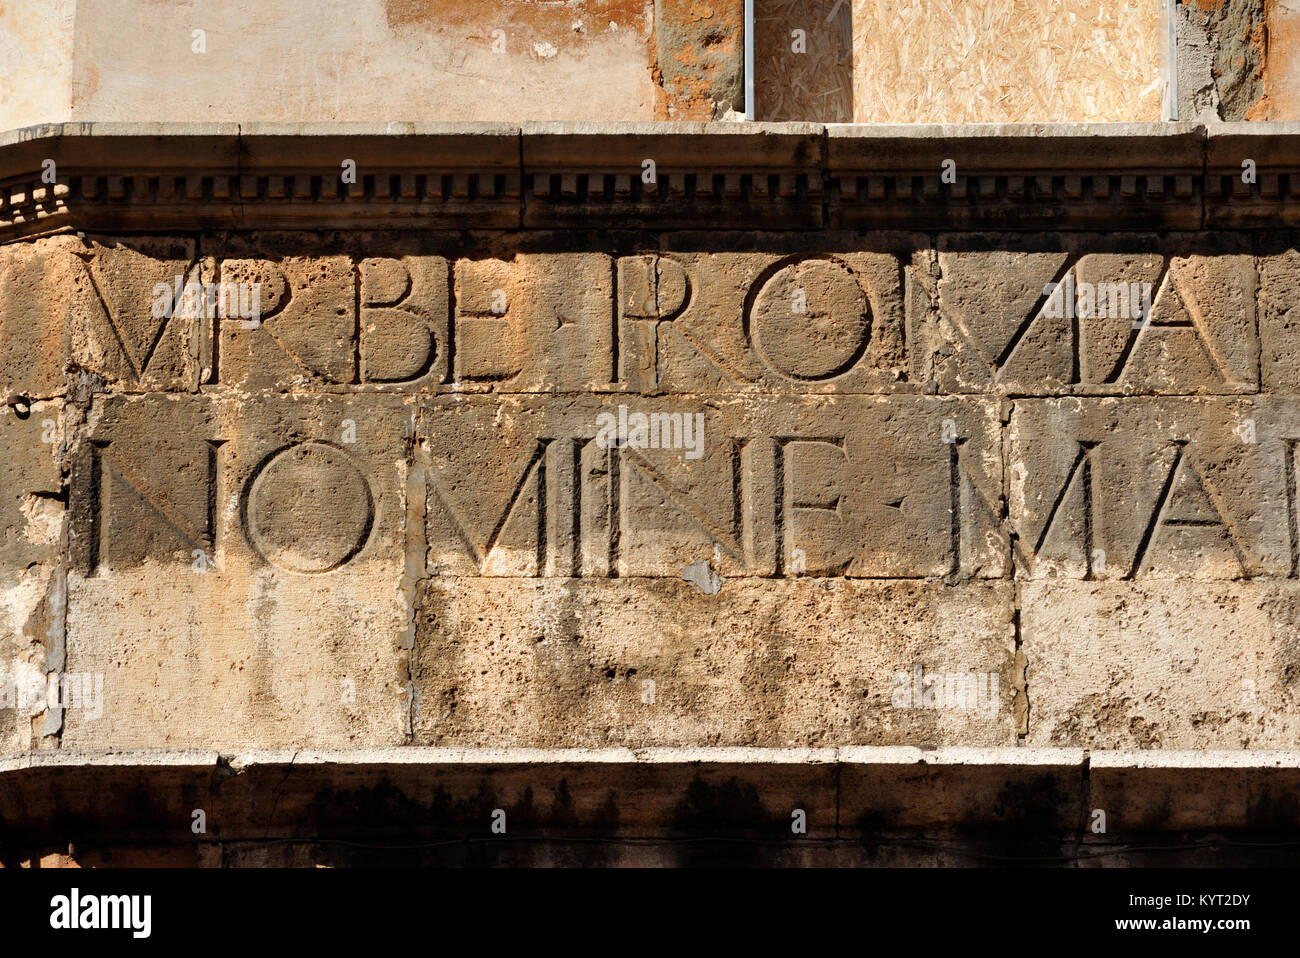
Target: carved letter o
308 508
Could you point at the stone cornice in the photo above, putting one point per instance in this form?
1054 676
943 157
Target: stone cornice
151 791
127 177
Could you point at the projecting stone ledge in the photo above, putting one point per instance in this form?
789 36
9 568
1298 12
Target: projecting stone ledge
647 806
647 176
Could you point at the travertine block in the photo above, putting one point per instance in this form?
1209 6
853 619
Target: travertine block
37 293
477 489
32 592
1154 488
336 312
538 323
892 487
205 587
1085 318
31 484
806 318
761 662
1162 665
142 314
1279 321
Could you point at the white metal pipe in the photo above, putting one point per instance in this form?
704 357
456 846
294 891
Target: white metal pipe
749 59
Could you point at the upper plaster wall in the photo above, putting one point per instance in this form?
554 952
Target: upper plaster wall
637 60
354 60
350 60
35 61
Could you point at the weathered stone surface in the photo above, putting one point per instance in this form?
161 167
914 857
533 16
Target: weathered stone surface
330 314
32 590
537 323
1279 322
207 532
644 175
32 503
285 539
333 315
862 487
1055 177
37 292
595 487
1083 320
1231 56
83 311
763 662
1248 175
700 63
894 805
1111 179
784 316
132 323
1154 488
880 792
341 312
560 806
1168 665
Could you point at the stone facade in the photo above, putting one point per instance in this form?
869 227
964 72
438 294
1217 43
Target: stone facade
771 439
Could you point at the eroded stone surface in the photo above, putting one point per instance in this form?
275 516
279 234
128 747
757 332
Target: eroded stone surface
821 320
1162 665
1081 319
1154 488
205 584
1279 323
536 323
906 487
477 489
37 291
133 324
762 662
32 584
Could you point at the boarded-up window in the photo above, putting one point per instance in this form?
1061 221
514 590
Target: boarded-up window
957 61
